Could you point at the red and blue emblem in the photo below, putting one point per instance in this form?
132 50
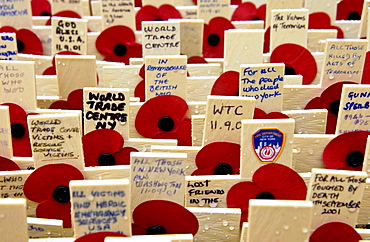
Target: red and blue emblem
268 144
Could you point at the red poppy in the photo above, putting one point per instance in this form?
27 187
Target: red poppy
65 14
334 232
164 117
218 158
19 129
8 165
297 59
117 43
271 181
213 37
48 185
266 40
196 60
140 87
233 2
27 41
346 151
260 114
330 100
52 70
227 84
321 20
366 70
98 236
40 8
248 11
163 217
104 147
151 13
349 9
74 101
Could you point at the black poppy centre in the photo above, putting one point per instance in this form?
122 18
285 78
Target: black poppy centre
166 124
106 159
120 50
265 195
354 16
61 194
289 70
355 159
17 130
20 45
156 230
45 14
223 169
334 107
213 39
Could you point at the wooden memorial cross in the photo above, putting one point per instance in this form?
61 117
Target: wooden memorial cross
6 148
44 228
8 46
208 9
354 113
327 6
160 37
209 191
191 36
18 83
288 26
336 195
107 108
165 75
62 5
16 14
75 72
13 223
157 3
69 34
117 12
364 26
242 46
217 224
279 220
157 176
56 138
100 205
265 141
343 61
264 82
224 116
280 4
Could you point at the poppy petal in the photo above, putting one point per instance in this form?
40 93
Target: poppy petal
266 40
75 98
41 183
54 210
298 58
239 195
123 156
146 13
196 60
100 141
98 236
61 104
8 165
282 181
227 84
261 12
154 109
32 43
50 71
16 112
112 36
349 10
321 20
245 11
167 11
335 231
140 91
366 71
182 134
173 217
215 153
346 151
41 8
259 114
